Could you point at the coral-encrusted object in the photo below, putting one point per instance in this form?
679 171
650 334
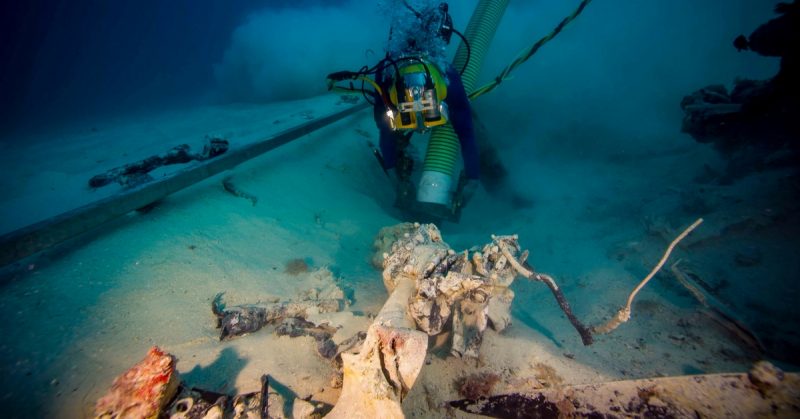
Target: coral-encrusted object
143 390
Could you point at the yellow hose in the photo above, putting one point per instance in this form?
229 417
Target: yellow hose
443 147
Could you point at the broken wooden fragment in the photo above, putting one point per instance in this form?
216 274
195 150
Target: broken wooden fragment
138 173
718 311
765 392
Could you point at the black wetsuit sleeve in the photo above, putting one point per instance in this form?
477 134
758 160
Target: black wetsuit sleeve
387 137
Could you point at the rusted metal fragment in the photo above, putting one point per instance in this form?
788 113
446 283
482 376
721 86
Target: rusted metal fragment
765 392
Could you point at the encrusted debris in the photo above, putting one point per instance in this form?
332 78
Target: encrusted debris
138 173
467 290
143 390
248 318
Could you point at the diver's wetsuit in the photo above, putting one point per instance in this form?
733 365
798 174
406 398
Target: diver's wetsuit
459 114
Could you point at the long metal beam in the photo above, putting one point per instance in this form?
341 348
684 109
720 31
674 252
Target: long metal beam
36 237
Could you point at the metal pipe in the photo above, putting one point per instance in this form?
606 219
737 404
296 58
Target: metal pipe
32 239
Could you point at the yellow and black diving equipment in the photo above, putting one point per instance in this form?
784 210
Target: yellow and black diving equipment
418 94
413 97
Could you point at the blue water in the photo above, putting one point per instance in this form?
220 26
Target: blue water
600 176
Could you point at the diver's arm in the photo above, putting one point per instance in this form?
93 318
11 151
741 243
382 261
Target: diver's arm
460 113
387 139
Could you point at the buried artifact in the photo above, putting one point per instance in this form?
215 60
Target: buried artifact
248 318
436 290
138 173
764 392
471 288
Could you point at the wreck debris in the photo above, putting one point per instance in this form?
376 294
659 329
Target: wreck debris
322 334
475 386
386 237
135 174
509 406
447 286
351 345
712 395
754 127
248 318
143 390
255 404
528 272
195 403
239 320
234 190
765 376
383 371
624 314
718 311
152 389
470 290
466 290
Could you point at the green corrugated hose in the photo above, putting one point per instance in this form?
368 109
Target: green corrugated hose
526 54
443 148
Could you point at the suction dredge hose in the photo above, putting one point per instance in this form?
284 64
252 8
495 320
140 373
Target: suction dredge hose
436 184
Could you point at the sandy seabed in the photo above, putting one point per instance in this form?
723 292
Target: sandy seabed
79 315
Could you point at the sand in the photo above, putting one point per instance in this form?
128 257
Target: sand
81 314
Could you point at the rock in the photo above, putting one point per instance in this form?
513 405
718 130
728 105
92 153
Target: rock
143 390
754 125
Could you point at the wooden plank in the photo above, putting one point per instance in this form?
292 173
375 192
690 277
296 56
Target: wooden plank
765 392
42 235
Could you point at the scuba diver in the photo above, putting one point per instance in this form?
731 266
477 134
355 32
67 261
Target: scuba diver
416 89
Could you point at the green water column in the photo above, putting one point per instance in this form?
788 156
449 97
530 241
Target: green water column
436 184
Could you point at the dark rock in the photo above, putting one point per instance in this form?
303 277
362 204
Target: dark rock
754 127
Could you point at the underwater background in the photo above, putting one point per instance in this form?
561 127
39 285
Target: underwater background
600 179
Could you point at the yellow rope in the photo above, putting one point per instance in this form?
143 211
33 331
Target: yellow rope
524 55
